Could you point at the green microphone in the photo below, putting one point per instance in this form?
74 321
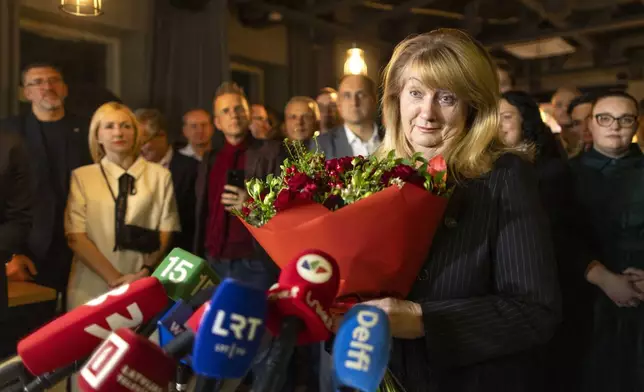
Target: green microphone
184 274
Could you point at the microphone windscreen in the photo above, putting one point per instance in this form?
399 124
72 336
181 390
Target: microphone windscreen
172 322
183 274
75 334
127 362
230 332
361 348
306 288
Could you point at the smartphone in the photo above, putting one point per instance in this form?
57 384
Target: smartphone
236 178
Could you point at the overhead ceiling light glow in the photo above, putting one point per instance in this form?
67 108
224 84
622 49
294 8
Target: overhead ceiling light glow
82 7
543 48
355 64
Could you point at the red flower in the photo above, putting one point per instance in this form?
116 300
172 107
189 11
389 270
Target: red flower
405 173
245 211
298 181
437 165
339 165
283 200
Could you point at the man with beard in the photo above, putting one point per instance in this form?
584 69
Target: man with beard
56 143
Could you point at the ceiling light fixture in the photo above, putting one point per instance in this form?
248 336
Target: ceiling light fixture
355 63
82 7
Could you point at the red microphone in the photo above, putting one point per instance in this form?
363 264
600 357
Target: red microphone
76 334
127 362
298 310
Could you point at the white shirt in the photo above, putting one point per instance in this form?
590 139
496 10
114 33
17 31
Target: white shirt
165 161
363 148
189 152
90 210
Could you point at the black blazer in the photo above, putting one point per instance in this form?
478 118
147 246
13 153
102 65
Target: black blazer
488 290
184 176
15 202
77 154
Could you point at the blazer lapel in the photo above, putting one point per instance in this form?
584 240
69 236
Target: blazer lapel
34 139
341 144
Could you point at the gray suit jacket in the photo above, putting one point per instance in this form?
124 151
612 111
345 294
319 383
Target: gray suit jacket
335 144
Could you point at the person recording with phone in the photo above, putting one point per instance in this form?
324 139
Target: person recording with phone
235 156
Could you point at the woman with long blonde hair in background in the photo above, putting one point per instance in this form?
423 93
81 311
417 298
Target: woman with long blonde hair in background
487 297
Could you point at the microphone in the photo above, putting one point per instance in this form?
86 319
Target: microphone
129 362
88 325
361 349
230 333
298 310
49 379
184 274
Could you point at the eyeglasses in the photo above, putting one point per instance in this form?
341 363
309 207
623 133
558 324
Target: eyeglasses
606 120
41 82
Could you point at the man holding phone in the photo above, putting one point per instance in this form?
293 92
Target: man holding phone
235 156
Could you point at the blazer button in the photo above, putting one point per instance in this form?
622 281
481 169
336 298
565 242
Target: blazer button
423 275
450 222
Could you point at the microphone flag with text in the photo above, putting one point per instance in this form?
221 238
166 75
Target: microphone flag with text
230 331
361 349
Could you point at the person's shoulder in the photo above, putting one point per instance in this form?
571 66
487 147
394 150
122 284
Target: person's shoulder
10 137
512 166
511 161
155 169
87 171
182 159
77 120
11 123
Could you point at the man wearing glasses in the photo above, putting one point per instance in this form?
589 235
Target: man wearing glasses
610 190
56 143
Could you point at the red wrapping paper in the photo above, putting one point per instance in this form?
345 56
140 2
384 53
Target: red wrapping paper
380 242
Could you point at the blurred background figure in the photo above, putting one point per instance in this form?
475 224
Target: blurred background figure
579 138
521 126
301 118
260 127
158 149
506 77
327 102
198 129
560 101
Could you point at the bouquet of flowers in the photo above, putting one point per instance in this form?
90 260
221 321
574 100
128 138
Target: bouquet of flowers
376 217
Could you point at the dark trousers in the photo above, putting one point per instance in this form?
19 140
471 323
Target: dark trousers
259 273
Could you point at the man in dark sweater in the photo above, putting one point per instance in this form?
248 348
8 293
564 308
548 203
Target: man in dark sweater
56 142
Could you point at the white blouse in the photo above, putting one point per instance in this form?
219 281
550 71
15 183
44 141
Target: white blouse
91 210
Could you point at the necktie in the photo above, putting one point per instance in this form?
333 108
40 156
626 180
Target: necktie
126 187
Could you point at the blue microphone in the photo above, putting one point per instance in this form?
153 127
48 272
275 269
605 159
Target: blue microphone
361 349
230 333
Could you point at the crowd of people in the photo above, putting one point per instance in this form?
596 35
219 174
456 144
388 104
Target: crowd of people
534 283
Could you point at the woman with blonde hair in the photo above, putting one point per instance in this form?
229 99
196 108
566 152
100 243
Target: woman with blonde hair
487 296
121 210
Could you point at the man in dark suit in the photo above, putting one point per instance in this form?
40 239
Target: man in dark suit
56 143
183 168
15 210
359 135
